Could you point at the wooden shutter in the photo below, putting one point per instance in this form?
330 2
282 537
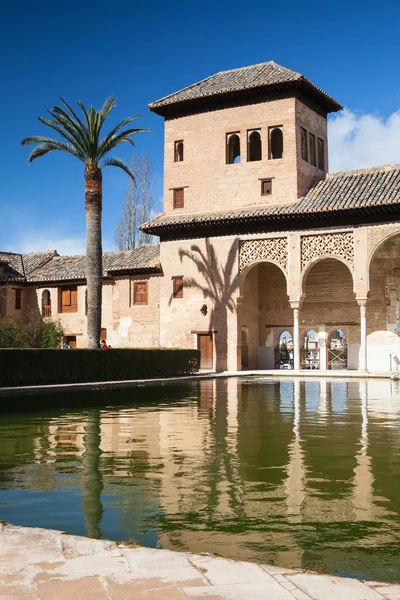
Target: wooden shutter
103 333
18 298
66 297
74 299
179 200
69 299
178 287
140 294
313 160
321 154
304 145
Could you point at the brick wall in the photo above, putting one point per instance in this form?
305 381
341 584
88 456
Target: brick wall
211 184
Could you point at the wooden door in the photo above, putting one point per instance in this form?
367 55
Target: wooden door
71 340
205 345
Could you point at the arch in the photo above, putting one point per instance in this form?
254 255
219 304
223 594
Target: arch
319 259
249 267
379 244
254 146
179 151
233 149
46 303
336 352
309 350
276 143
284 350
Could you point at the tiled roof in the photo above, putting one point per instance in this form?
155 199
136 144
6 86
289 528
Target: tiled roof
350 192
68 268
50 267
13 267
245 79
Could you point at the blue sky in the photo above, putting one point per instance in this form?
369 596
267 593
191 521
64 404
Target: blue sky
140 51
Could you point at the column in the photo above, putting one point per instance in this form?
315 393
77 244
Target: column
296 337
362 303
322 348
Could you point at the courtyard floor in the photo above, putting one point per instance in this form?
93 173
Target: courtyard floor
43 564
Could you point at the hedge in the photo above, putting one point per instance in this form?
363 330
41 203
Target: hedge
21 367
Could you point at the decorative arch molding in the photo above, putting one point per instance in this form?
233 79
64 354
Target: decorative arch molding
377 236
274 250
339 245
318 259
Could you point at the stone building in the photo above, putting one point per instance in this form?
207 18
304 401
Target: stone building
265 259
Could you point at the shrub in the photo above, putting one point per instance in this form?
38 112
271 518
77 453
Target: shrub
33 333
41 367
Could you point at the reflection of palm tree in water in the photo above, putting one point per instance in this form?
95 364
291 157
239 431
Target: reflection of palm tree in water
91 478
218 284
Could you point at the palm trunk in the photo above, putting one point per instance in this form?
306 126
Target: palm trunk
94 253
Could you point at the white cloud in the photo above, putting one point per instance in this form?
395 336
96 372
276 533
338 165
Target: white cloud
359 141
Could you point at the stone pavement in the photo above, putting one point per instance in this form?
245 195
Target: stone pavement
42 564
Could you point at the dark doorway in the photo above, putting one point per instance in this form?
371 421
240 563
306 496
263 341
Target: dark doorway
205 345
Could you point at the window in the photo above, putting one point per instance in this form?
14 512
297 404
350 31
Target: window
304 145
179 199
275 142
266 187
177 287
140 292
103 333
232 148
178 151
18 299
321 154
68 299
253 145
312 150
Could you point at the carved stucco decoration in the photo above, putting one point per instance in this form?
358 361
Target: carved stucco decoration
272 249
339 244
376 235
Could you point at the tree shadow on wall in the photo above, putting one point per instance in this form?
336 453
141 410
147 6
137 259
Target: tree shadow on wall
218 283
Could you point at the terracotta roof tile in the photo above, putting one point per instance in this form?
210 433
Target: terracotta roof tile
338 192
263 75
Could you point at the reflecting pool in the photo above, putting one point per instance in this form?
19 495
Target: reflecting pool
288 472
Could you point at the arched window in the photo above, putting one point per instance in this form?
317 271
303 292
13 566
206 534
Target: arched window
254 146
284 351
310 358
178 157
337 350
46 304
233 148
275 143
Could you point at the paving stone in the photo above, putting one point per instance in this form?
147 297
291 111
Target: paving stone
14 592
299 595
87 588
389 591
246 591
272 570
123 586
173 567
221 571
323 587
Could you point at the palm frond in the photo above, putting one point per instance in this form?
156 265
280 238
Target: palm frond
75 122
72 127
65 134
101 152
47 147
123 136
108 106
117 162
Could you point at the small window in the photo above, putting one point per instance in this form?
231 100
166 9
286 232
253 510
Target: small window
177 287
266 187
178 152
18 299
179 198
140 292
304 145
253 145
313 160
275 143
103 333
321 154
232 148
68 298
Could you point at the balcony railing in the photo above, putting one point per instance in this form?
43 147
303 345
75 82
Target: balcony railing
46 310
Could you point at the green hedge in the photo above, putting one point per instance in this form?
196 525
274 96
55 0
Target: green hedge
41 367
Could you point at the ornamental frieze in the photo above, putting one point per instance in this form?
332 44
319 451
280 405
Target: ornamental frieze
377 235
271 249
339 244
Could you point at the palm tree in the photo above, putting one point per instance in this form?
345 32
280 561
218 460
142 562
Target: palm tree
82 140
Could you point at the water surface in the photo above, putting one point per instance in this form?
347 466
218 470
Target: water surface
293 473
